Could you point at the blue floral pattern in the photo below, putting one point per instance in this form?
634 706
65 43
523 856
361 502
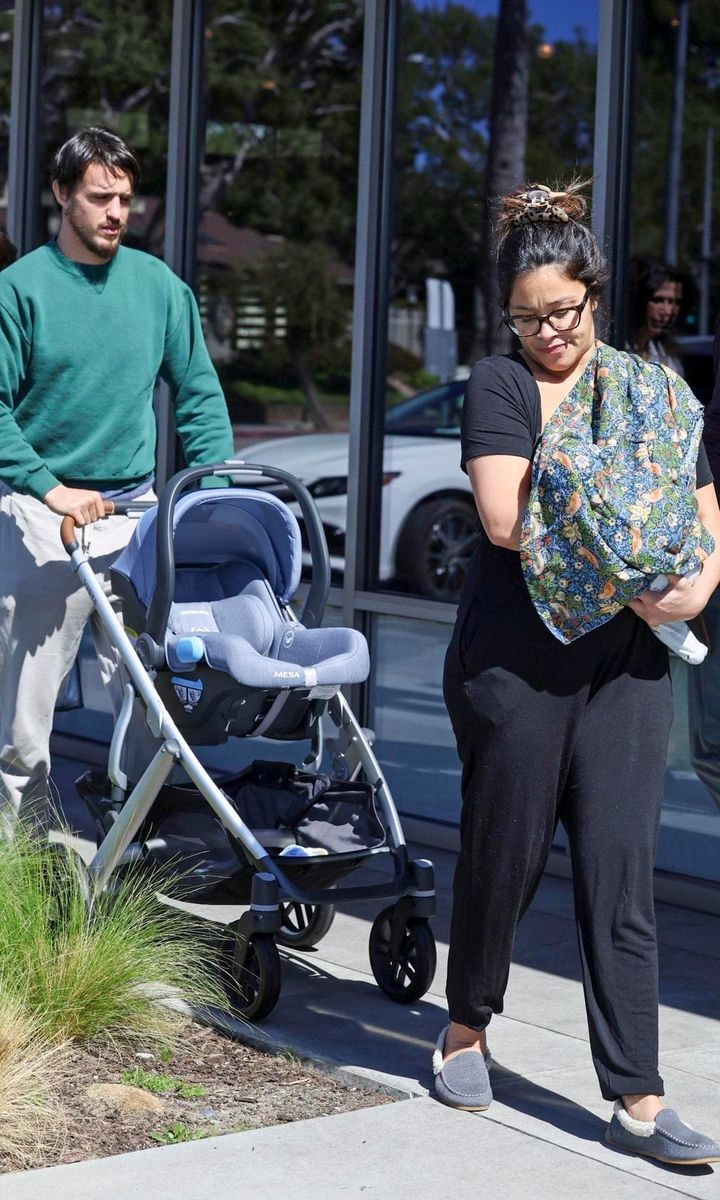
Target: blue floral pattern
612 500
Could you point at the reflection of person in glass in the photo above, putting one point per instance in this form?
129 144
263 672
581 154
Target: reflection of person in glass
655 302
86 326
574 729
8 253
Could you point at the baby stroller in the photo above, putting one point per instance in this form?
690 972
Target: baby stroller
212 651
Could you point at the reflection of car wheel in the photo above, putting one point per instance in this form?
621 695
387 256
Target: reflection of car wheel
435 546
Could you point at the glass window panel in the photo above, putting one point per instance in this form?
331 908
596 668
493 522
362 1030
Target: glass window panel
674 193
414 742
442 315
109 65
277 232
672 293
7 16
689 840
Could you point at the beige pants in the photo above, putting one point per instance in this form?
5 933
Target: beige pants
43 611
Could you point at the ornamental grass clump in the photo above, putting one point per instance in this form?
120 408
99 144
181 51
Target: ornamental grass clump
104 969
29 1112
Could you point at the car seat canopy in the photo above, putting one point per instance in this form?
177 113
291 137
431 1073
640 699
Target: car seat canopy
219 526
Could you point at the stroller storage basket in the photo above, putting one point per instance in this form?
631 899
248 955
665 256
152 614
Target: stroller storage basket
320 812
283 806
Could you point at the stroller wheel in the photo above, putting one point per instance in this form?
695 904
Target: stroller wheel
406 975
252 985
304 925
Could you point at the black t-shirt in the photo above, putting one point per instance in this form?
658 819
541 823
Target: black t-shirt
502 414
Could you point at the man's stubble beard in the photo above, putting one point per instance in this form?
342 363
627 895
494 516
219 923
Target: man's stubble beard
99 247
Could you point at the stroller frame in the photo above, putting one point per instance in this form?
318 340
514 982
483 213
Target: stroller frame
412 882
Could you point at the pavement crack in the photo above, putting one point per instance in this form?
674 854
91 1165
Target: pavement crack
573 1037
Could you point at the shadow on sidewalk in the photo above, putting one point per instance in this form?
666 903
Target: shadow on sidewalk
532 1100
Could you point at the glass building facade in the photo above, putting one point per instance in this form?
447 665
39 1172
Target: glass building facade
319 170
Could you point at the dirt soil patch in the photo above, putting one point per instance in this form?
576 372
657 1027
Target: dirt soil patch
242 1088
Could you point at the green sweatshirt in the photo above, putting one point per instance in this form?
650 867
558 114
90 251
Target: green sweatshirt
80 350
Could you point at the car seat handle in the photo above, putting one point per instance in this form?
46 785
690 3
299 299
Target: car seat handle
160 604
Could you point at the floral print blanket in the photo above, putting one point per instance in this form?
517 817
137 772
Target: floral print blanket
612 500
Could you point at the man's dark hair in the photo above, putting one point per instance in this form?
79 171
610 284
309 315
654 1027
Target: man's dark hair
92 145
8 251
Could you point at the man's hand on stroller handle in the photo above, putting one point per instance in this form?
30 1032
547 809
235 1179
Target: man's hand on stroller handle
120 508
81 504
70 521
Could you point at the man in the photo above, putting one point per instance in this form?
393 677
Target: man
86 327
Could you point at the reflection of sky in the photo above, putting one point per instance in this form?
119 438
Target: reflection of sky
551 14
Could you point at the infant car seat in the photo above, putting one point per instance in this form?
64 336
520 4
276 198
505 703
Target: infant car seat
235 659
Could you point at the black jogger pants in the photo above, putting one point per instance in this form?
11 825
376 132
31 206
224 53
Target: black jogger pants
577 733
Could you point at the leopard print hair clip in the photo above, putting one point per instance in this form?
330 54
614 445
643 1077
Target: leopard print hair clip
537 204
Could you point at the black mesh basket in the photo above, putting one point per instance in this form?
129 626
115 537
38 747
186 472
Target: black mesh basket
283 806
316 810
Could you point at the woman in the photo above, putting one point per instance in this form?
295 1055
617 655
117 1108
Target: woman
548 731
655 301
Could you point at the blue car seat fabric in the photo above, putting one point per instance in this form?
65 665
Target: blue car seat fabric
237 563
242 636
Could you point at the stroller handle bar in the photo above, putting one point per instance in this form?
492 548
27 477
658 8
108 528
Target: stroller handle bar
316 600
120 508
68 529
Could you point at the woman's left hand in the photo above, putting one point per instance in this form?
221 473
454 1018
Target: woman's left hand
680 601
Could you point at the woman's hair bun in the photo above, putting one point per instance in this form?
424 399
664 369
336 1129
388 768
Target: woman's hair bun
537 202
537 227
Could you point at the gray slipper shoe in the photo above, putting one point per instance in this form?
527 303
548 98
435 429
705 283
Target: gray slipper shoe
463 1082
666 1139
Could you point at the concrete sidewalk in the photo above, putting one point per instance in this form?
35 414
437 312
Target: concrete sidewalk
542 1135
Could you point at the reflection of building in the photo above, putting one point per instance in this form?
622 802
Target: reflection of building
325 141
234 318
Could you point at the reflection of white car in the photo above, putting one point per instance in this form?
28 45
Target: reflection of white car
429 523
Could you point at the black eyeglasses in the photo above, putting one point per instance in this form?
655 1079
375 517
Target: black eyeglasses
562 320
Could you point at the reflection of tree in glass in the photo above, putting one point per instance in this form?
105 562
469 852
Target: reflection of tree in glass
506 147
444 100
652 118
283 102
279 179
109 65
440 151
305 316
6 26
